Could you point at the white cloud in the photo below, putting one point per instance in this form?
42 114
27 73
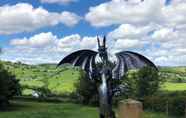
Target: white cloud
69 43
89 42
165 34
23 17
39 40
42 46
30 56
46 47
177 1
163 45
140 13
170 38
175 14
121 11
150 28
130 31
66 44
127 44
58 1
171 50
129 37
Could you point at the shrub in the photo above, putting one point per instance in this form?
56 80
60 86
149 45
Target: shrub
148 82
86 90
140 83
8 87
173 102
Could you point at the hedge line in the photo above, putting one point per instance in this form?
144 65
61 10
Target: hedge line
173 103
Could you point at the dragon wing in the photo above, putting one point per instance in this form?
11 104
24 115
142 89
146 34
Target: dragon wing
129 60
82 58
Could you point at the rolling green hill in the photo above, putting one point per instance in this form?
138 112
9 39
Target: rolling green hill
61 80
33 77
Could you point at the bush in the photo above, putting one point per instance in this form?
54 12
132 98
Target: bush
8 87
86 90
173 102
148 82
140 83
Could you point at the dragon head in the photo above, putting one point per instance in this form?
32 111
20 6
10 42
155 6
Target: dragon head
102 50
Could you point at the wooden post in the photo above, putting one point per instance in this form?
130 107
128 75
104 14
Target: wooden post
167 108
130 109
185 109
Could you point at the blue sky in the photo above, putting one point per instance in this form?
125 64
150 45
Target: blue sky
33 30
80 8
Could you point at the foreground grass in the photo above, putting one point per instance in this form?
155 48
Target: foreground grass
167 86
25 109
48 110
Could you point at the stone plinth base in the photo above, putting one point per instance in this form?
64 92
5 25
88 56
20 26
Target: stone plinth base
130 109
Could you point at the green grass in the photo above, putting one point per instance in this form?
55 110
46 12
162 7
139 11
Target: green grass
179 70
25 109
167 86
154 115
43 76
58 81
49 110
64 83
33 83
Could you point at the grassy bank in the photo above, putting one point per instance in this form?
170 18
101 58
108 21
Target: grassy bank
30 109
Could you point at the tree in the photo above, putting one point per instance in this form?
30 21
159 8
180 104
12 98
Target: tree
148 82
129 82
86 90
141 83
9 87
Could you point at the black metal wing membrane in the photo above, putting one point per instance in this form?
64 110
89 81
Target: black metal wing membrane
127 60
82 58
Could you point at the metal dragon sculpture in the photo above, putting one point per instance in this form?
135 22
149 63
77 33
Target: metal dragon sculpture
86 59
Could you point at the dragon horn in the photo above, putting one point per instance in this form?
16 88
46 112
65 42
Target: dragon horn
98 41
104 41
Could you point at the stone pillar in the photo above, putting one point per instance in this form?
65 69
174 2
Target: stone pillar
130 109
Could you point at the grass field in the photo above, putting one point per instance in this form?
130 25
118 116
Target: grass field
64 83
167 86
25 109
173 69
47 76
57 80
39 76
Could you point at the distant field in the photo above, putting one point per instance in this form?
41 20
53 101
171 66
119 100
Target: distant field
32 77
174 86
23 109
64 83
61 80
173 69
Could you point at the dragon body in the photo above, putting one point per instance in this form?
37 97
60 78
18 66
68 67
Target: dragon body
125 60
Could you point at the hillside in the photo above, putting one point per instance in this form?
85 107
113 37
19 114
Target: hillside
57 80
61 80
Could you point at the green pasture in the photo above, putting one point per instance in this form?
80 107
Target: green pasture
179 70
64 83
167 86
57 80
25 109
61 80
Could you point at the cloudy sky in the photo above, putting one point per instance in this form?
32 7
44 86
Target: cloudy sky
44 31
